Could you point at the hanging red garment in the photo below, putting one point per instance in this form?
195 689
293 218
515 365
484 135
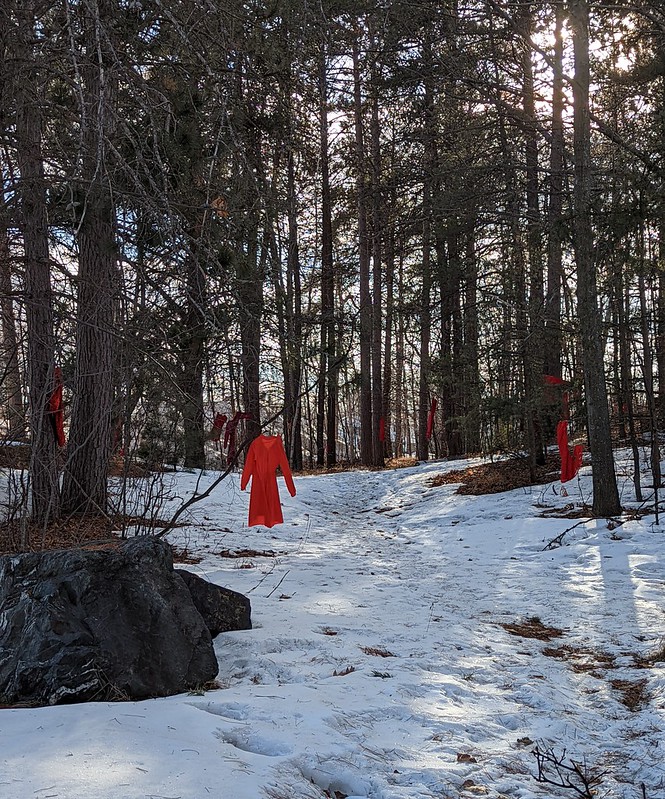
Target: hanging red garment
550 394
217 425
55 409
570 461
430 418
382 429
265 454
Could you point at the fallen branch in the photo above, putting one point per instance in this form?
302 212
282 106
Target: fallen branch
553 770
557 541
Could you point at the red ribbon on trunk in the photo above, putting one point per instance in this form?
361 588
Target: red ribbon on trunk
55 409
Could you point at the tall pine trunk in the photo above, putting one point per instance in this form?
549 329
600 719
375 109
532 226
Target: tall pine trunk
86 471
605 493
10 371
552 334
366 447
45 494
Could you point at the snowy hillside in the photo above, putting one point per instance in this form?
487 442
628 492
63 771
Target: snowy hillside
408 642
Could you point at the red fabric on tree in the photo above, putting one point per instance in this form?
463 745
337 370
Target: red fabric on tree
430 418
382 429
55 409
550 396
265 455
217 425
570 461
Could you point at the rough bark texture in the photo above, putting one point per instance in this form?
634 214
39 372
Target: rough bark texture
366 449
45 495
79 626
85 481
605 493
552 334
10 373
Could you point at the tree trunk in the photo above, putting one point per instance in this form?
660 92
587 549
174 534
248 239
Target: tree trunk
366 448
45 494
647 372
624 375
326 446
377 304
425 333
86 471
193 354
388 338
472 392
399 368
9 362
534 342
552 333
294 327
605 493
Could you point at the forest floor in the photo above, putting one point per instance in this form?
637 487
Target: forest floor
409 642
105 531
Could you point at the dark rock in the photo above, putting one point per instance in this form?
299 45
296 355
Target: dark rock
223 610
79 626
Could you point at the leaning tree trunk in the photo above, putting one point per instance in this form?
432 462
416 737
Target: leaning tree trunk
605 493
86 471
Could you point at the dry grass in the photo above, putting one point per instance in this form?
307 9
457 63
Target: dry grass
582 660
634 694
376 651
76 532
533 628
493 478
247 553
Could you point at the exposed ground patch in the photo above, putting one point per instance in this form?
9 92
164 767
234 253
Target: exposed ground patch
493 478
532 628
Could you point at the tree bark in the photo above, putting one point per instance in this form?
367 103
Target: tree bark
45 494
11 382
552 333
366 440
605 493
534 342
326 434
86 471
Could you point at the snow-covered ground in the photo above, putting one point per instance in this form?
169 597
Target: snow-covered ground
379 666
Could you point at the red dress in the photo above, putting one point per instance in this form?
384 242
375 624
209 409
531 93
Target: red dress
570 462
265 454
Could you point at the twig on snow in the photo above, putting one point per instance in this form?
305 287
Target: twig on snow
553 770
557 541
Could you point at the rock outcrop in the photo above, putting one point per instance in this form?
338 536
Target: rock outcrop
80 625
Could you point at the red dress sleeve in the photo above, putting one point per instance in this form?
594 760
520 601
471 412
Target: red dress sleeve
250 461
286 471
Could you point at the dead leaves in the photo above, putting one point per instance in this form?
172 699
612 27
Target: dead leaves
532 628
586 660
493 478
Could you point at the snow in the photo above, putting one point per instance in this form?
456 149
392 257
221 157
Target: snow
378 666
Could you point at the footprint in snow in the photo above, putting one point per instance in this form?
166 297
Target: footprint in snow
254 743
228 710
